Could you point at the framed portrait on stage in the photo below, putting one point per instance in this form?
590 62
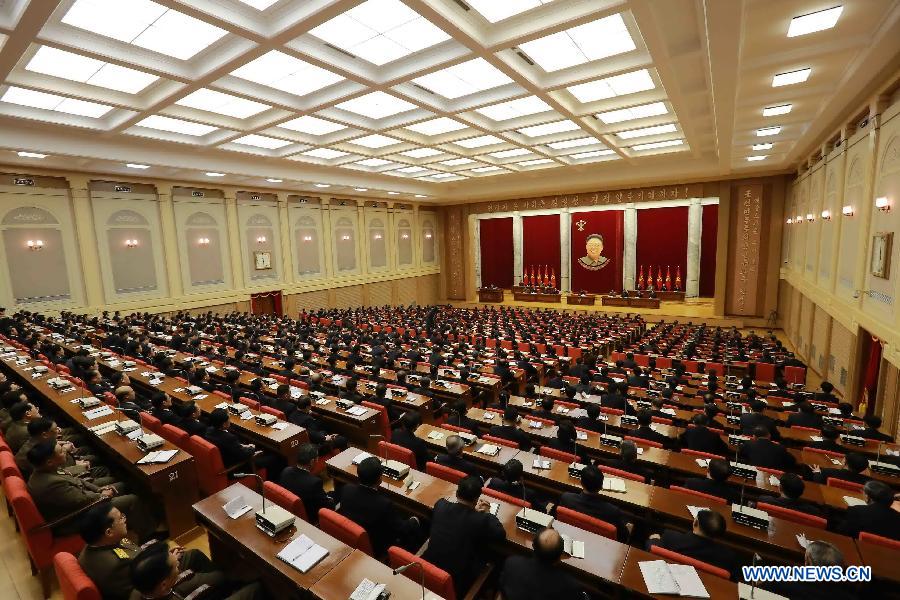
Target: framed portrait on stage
881 254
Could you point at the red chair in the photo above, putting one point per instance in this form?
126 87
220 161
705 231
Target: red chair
830 453
555 454
622 474
710 497
663 362
286 499
280 379
212 476
8 466
801 428
776 472
662 420
500 441
436 579
398 453
150 422
865 536
442 472
222 394
506 498
73 582
272 411
687 560
639 441
574 352
175 435
795 516
612 411
717 369
456 428
384 422
249 403
701 454
345 530
586 522
844 484
40 541
692 366
795 375
764 371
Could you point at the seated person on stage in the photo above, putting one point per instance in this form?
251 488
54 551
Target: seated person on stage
716 481
108 555
539 575
95 384
792 488
855 469
380 397
702 542
818 554
232 385
830 436
627 461
584 386
510 483
509 429
876 516
763 452
461 532
805 417
591 503
304 417
405 436
645 430
591 421
157 573
57 494
308 487
188 414
555 380
453 458
162 408
366 506
749 421
873 423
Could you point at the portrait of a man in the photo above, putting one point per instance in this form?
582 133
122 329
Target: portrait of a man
594 260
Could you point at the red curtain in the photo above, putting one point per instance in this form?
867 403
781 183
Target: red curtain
708 238
870 374
497 252
540 243
259 300
611 225
662 235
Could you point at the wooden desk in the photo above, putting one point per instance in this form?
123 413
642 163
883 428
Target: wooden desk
340 582
489 465
614 301
536 297
238 546
490 295
579 300
883 560
643 302
631 578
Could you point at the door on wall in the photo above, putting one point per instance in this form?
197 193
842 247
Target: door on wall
266 303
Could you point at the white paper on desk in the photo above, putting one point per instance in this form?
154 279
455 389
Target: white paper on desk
133 435
836 461
541 464
657 577
688 581
223 405
302 553
322 401
581 435
280 425
201 396
178 390
574 548
361 457
489 416
96 413
296 392
435 435
489 450
535 424
695 510
640 450
246 415
787 403
613 484
273 386
773 480
851 501
890 452
834 411
236 507
816 438
703 462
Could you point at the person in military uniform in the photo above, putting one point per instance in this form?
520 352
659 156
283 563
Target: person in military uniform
108 555
156 575
76 462
57 494
22 413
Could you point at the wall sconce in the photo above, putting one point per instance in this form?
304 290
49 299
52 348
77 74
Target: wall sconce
307 238
35 244
377 236
346 238
882 203
790 221
847 211
826 214
261 239
810 217
427 236
799 219
405 236
131 243
203 241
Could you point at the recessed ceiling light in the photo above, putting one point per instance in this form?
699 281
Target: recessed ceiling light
393 193
273 180
497 10
323 185
71 106
768 131
765 146
145 24
592 41
326 153
592 154
477 142
549 128
312 125
510 153
610 87
534 163
755 158
576 143
413 169
457 161
644 131
421 152
373 162
421 196
436 126
635 112
375 141
259 4
812 22
214 174
791 77
175 125
376 105
380 31
283 72
463 79
25 154
226 104
485 169
361 189
75 67
781 109
261 141
443 175
655 145
514 108
136 166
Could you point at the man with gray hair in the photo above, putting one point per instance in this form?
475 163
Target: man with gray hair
876 516
454 456
818 554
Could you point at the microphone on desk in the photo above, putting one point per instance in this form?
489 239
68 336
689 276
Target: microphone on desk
399 570
262 489
134 414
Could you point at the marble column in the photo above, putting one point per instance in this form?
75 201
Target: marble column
695 231
476 252
517 248
629 259
83 216
565 267
170 233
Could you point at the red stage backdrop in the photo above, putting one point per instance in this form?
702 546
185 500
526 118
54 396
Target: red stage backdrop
540 243
708 240
603 274
497 252
662 235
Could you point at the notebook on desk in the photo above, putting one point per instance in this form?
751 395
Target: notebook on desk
661 577
302 554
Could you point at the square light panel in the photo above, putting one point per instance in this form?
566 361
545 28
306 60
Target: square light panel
592 154
283 72
374 162
817 21
421 152
657 145
312 125
375 141
510 153
549 128
325 153
782 109
171 125
145 24
477 142
226 104
463 79
455 162
576 143
488 169
74 67
437 126
261 141
71 106
534 163
497 10
610 87
645 131
592 41
376 105
635 112
768 131
791 77
521 107
380 31
765 146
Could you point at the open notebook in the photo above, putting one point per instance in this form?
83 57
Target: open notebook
661 577
302 553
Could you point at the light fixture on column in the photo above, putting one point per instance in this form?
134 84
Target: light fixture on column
427 236
35 244
131 243
790 221
203 241
377 236
826 214
405 236
307 238
882 203
261 239
847 211
345 237
810 217
798 219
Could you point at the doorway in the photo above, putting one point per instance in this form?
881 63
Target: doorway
266 303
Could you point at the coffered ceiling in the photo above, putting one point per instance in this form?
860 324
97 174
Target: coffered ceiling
434 99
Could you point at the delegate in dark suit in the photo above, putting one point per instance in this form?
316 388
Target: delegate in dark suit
595 506
763 452
879 519
701 548
527 578
308 488
702 439
373 512
512 433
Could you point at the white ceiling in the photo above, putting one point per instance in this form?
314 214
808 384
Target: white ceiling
436 99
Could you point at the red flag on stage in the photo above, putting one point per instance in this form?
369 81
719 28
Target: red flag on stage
678 278
546 275
532 276
525 276
640 283
553 277
659 279
668 278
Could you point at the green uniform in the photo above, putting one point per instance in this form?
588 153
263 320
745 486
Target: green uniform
16 435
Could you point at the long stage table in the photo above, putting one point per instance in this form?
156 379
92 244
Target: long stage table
536 297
